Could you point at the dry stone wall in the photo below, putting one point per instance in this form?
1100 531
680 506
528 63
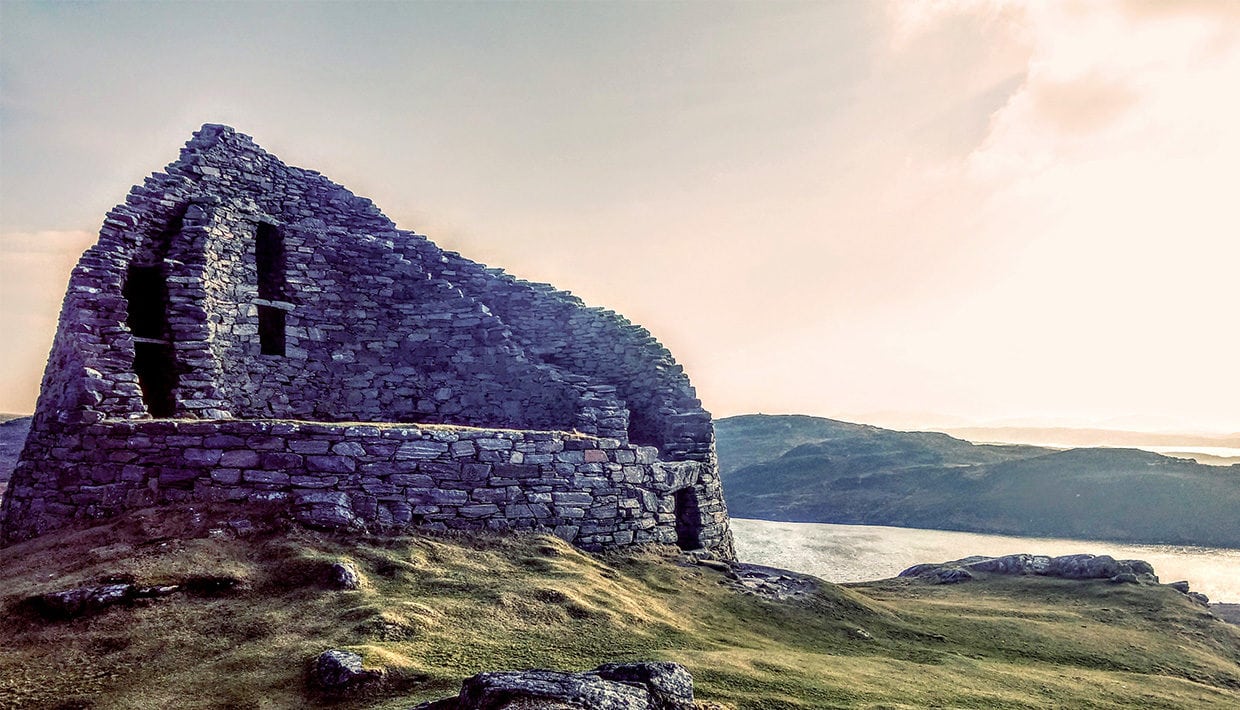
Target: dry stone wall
594 492
232 290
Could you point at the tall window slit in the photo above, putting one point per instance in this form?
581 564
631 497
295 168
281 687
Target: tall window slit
269 257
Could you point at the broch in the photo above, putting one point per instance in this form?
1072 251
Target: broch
244 330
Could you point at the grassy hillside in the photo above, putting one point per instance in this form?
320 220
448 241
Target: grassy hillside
435 609
808 469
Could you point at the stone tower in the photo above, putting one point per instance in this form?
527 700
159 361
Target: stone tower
248 331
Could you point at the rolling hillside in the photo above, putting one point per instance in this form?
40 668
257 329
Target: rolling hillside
808 469
432 609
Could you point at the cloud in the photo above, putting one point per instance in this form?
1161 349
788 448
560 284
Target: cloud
1080 105
1212 10
1106 177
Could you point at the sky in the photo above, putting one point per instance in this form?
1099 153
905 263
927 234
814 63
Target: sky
913 214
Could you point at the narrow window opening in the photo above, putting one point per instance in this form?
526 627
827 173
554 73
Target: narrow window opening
147 295
270 257
271 330
688 520
154 363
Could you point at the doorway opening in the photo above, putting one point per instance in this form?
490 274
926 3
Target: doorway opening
270 330
146 295
688 519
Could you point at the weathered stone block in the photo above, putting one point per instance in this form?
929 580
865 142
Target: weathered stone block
274 477
349 448
240 458
226 476
282 461
411 479
331 464
421 450
202 457
478 511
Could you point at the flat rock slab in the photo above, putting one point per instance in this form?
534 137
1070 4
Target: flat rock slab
771 582
87 601
613 686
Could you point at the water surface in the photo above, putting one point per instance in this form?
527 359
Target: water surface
856 553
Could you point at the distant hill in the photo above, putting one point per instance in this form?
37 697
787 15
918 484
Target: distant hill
808 469
1093 437
13 430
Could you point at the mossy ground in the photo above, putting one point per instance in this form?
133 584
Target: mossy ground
435 609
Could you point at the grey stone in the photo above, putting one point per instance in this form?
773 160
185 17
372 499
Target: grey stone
239 458
614 686
72 603
331 464
338 670
344 576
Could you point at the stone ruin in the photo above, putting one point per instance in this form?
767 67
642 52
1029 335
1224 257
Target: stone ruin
248 331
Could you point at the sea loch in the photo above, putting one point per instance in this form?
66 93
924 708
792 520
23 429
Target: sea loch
857 553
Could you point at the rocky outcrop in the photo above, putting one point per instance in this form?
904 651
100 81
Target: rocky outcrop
613 686
770 582
1081 566
87 601
1183 588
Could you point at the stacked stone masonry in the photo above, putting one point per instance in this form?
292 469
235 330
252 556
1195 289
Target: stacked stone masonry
247 330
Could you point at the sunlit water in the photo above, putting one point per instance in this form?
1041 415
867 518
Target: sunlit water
856 553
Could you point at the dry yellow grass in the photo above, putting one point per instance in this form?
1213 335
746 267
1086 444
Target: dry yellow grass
435 609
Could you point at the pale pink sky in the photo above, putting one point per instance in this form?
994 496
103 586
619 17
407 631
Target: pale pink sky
941 211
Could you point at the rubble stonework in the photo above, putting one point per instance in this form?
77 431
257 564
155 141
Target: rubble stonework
247 330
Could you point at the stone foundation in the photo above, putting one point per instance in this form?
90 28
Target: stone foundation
593 492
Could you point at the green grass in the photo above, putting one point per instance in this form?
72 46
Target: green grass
436 609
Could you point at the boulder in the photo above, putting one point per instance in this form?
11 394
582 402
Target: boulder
495 691
669 685
337 670
613 686
1199 598
344 576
